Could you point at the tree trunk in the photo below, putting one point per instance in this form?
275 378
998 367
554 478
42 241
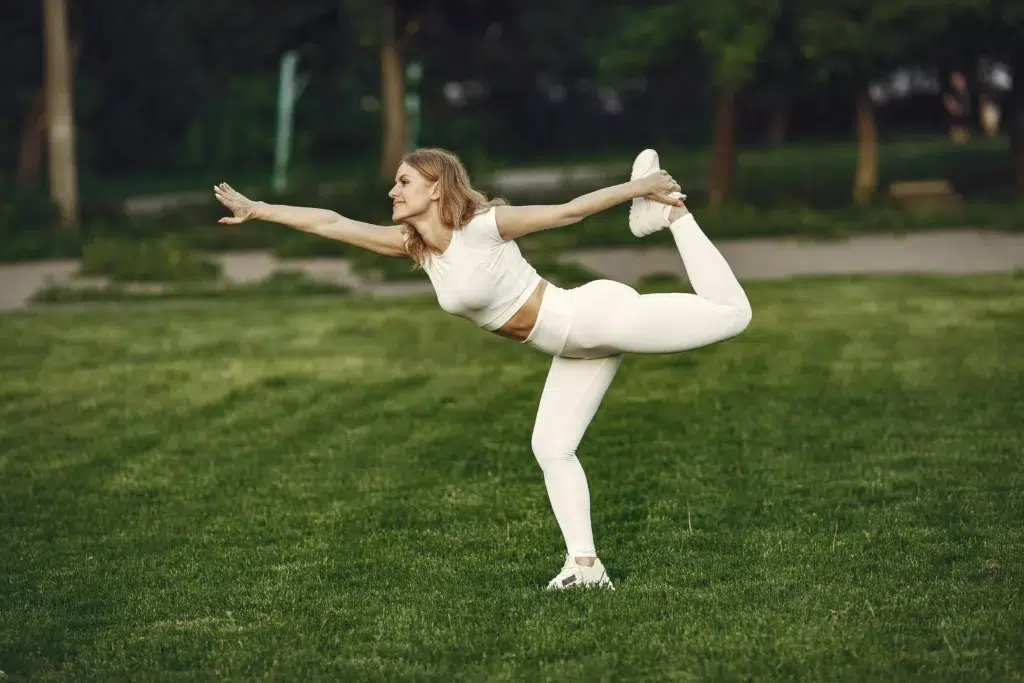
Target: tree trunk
778 124
33 141
392 80
34 130
59 113
723 159
865 182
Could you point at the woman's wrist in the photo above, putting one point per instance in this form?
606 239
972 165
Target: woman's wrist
638 188
261 211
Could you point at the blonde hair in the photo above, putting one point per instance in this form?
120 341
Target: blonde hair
459 202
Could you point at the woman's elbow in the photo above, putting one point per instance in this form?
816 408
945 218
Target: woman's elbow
570 215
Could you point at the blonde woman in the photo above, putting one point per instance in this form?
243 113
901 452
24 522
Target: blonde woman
466 244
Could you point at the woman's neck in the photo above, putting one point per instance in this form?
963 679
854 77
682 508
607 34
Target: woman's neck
435 234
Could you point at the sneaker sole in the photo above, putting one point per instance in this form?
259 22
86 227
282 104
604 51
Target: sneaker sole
583 586
646 162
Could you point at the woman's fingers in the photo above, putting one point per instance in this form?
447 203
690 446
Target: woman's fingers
232 191
233 201
225 190
663 185
665 199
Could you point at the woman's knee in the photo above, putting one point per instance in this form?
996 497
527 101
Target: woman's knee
734 322
549 448
744 315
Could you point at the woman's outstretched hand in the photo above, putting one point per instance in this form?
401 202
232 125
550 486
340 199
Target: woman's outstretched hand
658 186
238 204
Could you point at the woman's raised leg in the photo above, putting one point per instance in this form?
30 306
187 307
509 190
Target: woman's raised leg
610 317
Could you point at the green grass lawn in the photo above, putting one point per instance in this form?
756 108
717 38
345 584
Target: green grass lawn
319 489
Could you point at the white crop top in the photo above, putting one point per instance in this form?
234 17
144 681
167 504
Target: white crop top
481 276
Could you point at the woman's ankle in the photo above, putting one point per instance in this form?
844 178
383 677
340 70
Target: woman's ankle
676 213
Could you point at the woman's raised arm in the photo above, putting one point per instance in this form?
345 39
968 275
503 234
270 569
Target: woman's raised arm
380 239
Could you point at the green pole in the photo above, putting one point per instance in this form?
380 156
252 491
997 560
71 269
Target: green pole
290 87
413 76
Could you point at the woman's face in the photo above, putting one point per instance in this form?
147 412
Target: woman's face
412 194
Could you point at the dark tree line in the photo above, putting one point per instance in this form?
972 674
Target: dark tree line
192 84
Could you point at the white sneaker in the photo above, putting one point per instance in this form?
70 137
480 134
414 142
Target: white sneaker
573 575
646 215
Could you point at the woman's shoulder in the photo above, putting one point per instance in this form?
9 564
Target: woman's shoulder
485 213
483 225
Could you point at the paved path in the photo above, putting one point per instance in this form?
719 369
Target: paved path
942 252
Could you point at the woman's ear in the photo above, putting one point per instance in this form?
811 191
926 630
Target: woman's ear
435 190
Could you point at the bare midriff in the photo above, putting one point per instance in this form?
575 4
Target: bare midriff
521 324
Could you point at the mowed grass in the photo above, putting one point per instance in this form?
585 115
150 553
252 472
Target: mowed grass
318 489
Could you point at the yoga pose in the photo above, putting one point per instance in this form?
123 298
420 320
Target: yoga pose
466 245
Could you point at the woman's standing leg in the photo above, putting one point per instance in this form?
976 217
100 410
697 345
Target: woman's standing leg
572 394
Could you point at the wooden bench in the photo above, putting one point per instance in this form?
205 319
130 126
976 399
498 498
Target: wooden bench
925 195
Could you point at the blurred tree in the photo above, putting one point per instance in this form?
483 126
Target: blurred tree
532 73
143 77
1008 33
60 119
853 41
33 128
376 24
190 85
401 31
493 47
781 76
22 97
735 36
995 29
732 35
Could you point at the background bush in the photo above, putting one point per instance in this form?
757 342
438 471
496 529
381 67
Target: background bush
164 259
785 192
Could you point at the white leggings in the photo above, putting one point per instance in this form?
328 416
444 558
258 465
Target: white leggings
587 329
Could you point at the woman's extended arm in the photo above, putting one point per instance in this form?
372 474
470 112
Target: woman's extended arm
381 239
516 221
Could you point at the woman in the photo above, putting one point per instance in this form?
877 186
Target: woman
465 243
